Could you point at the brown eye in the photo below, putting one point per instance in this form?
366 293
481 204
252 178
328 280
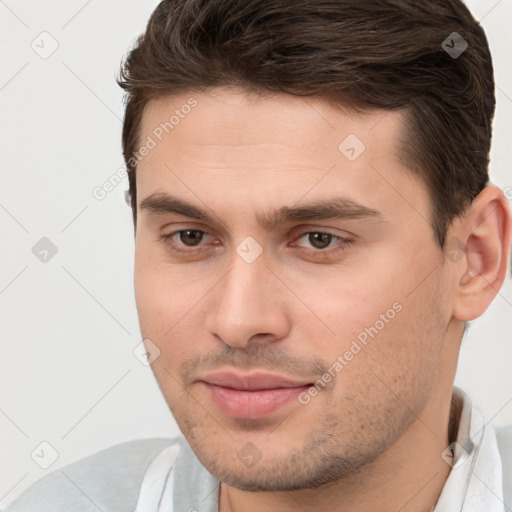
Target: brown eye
321 243
190 237
320 240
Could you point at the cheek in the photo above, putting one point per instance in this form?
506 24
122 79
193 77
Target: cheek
349 305
162 291
169 301
378 325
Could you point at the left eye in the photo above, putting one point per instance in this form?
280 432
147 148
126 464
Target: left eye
320 240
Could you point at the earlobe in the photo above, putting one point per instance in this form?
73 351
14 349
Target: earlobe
485 234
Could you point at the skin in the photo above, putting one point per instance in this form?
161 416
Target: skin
300 305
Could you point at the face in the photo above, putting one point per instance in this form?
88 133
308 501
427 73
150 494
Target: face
289 276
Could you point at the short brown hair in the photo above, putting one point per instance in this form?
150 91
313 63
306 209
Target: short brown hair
365 54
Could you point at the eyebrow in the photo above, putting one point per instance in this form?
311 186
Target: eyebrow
333 208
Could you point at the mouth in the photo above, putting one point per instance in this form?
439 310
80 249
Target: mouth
251 396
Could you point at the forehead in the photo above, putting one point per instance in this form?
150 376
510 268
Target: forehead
276 147
246 116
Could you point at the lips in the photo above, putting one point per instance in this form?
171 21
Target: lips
252 382
251 396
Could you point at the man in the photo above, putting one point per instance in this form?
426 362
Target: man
314 229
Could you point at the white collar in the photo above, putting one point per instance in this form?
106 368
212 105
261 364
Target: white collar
475 480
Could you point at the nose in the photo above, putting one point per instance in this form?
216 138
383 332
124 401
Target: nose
248 305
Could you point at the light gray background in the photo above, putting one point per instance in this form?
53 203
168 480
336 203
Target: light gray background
68 375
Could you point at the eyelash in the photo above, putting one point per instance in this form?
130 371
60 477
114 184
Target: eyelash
343 242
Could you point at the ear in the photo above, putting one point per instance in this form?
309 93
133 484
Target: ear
483 240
